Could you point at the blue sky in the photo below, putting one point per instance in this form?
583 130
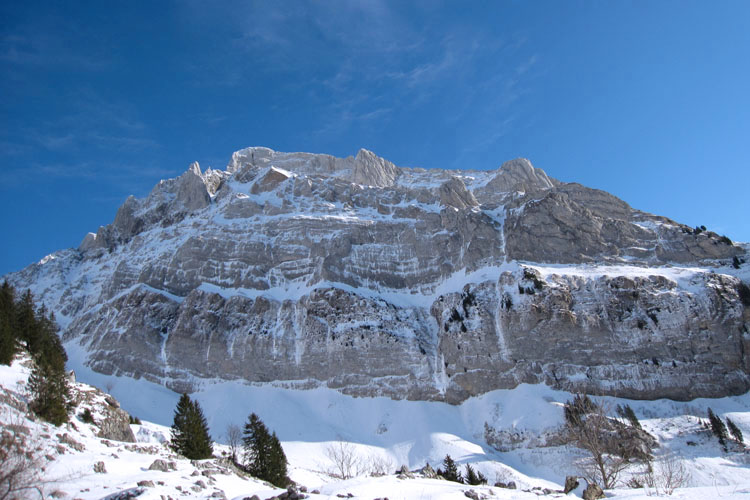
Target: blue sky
99 100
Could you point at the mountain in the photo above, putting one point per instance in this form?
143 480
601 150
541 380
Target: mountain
305 270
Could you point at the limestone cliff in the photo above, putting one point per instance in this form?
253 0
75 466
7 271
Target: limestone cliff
304 270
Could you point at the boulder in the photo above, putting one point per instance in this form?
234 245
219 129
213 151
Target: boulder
162 465
571 483
593 492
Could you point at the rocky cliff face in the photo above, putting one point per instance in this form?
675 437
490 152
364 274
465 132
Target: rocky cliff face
305 270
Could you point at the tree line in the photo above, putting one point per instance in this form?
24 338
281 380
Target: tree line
26 326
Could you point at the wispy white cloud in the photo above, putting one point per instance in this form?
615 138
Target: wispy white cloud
360 64
128 177
92 122
46 49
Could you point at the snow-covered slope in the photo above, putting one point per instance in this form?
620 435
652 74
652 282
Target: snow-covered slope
389 434
308 271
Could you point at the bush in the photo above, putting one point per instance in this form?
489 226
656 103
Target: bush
346 463
234 438
21 463
86 416
134 420
611 445
666 474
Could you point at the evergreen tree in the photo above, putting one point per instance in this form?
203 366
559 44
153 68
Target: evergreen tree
190 437
49 346
50 394
577 409
474 477
25 322
450 470
48 382
264 456
735 431
718 428
628 413
278 463
7 320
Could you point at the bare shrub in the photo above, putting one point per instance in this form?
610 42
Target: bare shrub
234 440
665 474
503 476
346 462
21 463
379 465
612 446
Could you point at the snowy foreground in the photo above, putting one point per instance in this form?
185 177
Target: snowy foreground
383 434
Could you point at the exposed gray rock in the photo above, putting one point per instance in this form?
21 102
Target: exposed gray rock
519 176
99 468
125 494
115 423
474 495
270 181
372 279
428 472
593 492
67 439
453 193
571 483
162 465
371 170
88 242
191 189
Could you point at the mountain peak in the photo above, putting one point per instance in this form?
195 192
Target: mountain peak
374 279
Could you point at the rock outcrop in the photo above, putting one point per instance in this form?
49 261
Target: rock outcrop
305 270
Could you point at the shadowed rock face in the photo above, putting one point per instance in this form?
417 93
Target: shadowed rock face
307 270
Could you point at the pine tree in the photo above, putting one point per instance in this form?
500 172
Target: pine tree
49 347
25 322
48 382
190 437
264 456
735 431
718 428
473 477
50 394
576 410
628 413
278 463
450 470
7 320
